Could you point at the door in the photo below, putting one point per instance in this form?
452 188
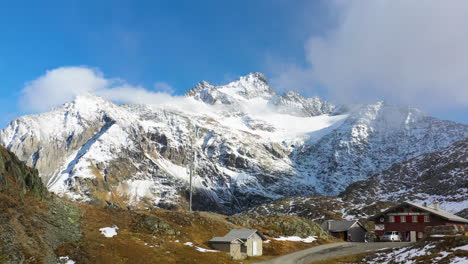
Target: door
254 248
413 236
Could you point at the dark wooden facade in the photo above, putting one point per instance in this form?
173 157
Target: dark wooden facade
347 230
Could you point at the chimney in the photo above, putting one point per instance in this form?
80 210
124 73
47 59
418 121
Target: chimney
436 205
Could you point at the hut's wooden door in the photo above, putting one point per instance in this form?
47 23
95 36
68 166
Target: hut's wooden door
254 248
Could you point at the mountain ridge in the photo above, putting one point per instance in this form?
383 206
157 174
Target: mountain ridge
440 176
247 149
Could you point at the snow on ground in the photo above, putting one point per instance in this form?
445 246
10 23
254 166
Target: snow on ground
205 250
458 260
411 254
286 127
309 239
137 189
465 247
109 231
437 235
173 169
190 244
402 255
65 260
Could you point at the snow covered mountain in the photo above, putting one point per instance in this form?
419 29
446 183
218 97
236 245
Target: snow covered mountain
439 176
254 87
251 145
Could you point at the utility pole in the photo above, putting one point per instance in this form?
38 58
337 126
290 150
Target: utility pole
192 165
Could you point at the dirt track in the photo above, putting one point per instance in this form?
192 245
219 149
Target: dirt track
329 251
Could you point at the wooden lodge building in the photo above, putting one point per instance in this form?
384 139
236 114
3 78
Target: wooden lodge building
411 219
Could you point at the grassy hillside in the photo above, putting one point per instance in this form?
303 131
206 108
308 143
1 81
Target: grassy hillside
159 236
32 222
38 227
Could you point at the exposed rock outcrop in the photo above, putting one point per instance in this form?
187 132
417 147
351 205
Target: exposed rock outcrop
33 223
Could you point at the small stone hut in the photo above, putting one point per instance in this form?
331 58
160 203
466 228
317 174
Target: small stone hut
240 243
346 230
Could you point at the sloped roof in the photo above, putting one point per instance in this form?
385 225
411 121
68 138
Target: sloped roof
439 212
225 239
242 234
339 225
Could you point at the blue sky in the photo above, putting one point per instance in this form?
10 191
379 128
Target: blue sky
180 43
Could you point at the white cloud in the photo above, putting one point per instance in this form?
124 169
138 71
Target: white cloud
134 95
63 84
163 87
412 52
60 85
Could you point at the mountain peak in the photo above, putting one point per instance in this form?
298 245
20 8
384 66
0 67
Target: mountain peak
291 94
84 99
255 76
252 85
203 85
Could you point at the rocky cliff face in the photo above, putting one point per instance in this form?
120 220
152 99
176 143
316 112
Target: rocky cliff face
18 179
293 103
249 146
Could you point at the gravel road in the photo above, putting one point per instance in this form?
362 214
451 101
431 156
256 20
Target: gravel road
329 251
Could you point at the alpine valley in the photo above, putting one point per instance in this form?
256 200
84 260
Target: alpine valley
249 145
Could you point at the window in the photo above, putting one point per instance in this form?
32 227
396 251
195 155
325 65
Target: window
403 219
415 218
426 218
391 219
420 234
420 218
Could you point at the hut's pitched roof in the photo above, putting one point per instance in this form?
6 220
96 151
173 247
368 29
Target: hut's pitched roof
225 239
242 234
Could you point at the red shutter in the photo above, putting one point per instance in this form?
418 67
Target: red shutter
409 219
420 218
397 219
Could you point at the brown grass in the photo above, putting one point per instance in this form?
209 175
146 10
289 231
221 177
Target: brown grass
133 246
22 216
